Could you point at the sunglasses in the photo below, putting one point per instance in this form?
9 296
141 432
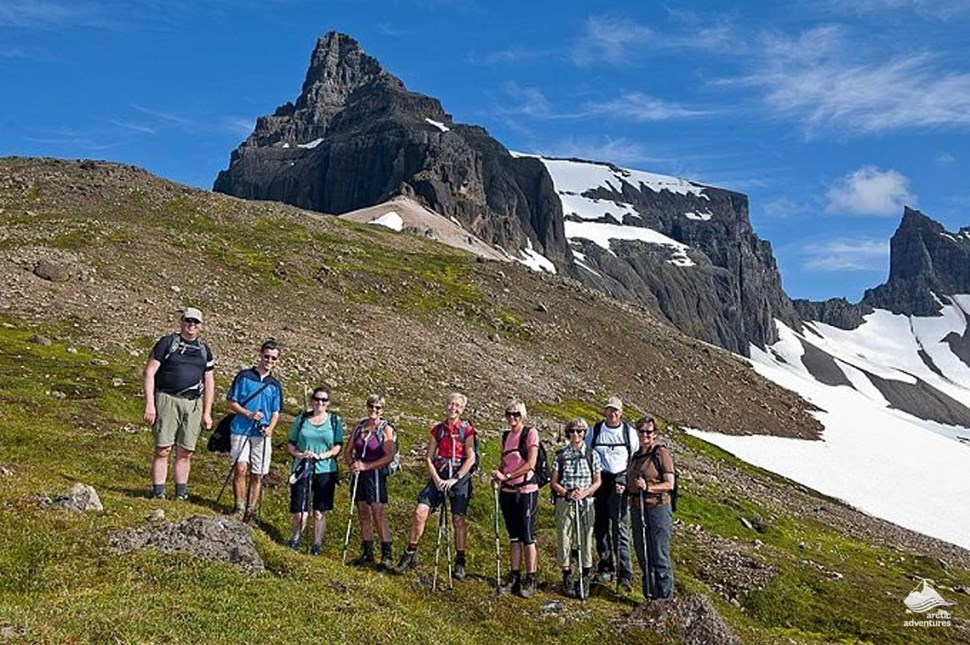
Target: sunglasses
513 414
270 357
575 431
191 321
321 400
374 407
647 431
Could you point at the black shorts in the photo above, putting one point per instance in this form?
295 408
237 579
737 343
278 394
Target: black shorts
323 486
519 512
460 494
371 486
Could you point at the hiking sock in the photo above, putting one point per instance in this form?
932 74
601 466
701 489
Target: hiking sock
181 490
158 490
366 553
460 558
412 547
385 550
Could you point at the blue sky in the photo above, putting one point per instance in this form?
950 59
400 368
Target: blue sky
830 115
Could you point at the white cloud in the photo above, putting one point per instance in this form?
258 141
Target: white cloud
617 151
944 158
529 101
51 14
610 39
824 79
870 191
932 9
846 254
640 107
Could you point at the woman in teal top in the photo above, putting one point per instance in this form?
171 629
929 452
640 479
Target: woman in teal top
314 443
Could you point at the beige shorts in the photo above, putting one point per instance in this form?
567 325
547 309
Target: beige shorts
177 420
249 450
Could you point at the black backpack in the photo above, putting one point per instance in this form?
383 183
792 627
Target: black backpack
542 475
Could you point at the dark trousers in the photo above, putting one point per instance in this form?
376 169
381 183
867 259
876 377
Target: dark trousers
612 528
657 530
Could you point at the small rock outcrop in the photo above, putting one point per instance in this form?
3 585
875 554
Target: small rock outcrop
208 538
81 498
690 619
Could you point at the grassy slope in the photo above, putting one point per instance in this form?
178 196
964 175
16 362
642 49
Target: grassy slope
60 583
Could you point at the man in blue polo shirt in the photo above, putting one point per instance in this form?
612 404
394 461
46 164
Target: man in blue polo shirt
257 399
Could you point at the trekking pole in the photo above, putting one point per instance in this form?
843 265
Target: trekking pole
225 482
615 534
449 535
437 548
249 470
577 504
498 551
644 533
306 493
350 515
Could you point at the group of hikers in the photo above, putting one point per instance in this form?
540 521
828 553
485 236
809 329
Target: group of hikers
606 478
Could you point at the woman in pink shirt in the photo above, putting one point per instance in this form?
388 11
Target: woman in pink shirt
519 496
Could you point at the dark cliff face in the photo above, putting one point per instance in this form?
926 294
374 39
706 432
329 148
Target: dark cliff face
924 259
733 293
356 134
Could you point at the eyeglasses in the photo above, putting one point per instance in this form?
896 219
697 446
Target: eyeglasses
374 407
647 431
513 414
318 399
575 431
191 321
270 357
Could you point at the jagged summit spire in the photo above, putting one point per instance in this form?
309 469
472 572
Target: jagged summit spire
338 67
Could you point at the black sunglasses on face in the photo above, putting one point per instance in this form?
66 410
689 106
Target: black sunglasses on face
574 431
270 357
191 321
374 407
512 415
319 400
647 431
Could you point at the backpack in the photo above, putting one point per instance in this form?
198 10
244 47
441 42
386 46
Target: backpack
221 438
541 475
395 464
626 438
463 427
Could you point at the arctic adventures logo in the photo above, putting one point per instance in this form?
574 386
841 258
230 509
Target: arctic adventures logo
923 599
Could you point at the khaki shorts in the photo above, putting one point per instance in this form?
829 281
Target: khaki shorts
177 420
248 449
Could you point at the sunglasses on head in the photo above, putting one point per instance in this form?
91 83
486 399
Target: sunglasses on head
513 414
321 399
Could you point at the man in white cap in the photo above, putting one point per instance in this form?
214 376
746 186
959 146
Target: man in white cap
614 441
179 387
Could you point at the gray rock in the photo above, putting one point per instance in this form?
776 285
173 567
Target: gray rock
51 271
39 340
215 539
81 498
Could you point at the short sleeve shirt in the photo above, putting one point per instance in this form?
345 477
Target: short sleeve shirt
183 364
306 435
512 459
574 468
611 445
644 465
269 401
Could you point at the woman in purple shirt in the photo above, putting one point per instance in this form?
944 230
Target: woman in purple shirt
371 450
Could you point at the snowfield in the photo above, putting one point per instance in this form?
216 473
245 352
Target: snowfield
884 461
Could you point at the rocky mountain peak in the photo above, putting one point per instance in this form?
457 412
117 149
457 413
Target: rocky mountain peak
339 67
926 263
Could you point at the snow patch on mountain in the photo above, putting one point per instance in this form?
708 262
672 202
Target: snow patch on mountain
601 234
873 454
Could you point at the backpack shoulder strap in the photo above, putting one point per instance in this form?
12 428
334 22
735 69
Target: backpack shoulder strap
597 428
173 345
626 440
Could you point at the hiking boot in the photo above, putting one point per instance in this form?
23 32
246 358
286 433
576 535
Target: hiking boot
293 543
387 561
157 494
603 577
406 563
626 586
513 585
569 587
249 517
458 572
315 549
366 555
528 588
182 497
